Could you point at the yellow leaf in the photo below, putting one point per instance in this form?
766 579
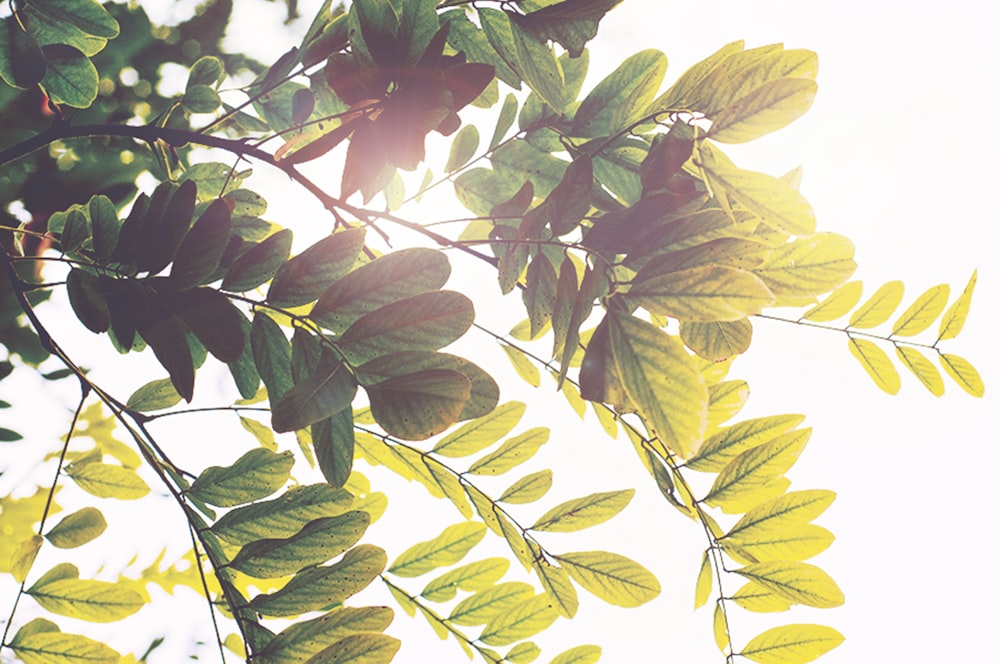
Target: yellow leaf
717 340
700 294
572 394
742 73
963 373
263 433
922 368
611 577
804 268
520 622
876 363
690 86
24 557
523 653
703 586
755 597
557 586
766 109
797 542
919 316
725 400
607 419
61 591
579 655
450 486
108 481
800 583
473 577
515 540
954 317
720 628
54 647
778 513
482 432
235 643
446 549
522 365
837 304
792 644
757 466
749 499
585 512
773 200
527 489
722 446
877 309
485 507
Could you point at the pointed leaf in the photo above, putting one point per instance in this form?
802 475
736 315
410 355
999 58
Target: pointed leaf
579 655
797 582
876 363
299 642
284 516
154 395
701 294
328 391
272 355
513 452
954 317
722 446
703 586
519 622
483 606
524 53
924 311
877 309
837 304
257 474
963 373
922 368
557 585
808 267
95 601
365 648
585 512
462 148
792 644
755 597
446 549
108 481
768 108
259 264
522 365
200 251
527 489
620 99
473 577
54 647
757 466
778 513
482 432
333 441
611 577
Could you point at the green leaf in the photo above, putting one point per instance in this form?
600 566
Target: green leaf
756 467
303 278
703 586
75 231
88 16
585 512
200 251
717 341
54 647
766 109
801 269
797 582
954 318
427 321
329 390
482 607
244 369
333 441
611 577
525 54
579 655
837 304
317 542
257 474
513 452
963 373
22 64
87 300
527 489
702 294
519 622
62 592
213 319
482 432
462 148
619 100
259 264
418 405
207 70
315 588
924 311
200 99
385 280
9 436
261 432
660 378
922 368
792 644
77 528
876 363
508 113
70 77
877 309
108 481
272 355
306 638
473 577
359 649
446 549
284 516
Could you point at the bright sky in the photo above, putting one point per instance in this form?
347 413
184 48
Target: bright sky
893 158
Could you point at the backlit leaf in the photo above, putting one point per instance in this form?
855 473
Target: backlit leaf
200 251
876 363
419 405
283 516
446 549
70 77
54 647
611 577
483 606
473 577
328 391
766 109
77 528
807 267
720 628
508 112
108 481
24 556
527 489
305 638
526 55
922 368
837 304
797 582
259 264
877 309
798 542
778 513
480 433
755 597
272 355
725 400
954 318
317 542
522 365
154 395
585 512
66 594
919 316
792 644
963 373
579 655
333 442
757 466
257 474
703 586
701 294
620 99
462 148
366 648
519 622
22 64
303 278
717 340
513 452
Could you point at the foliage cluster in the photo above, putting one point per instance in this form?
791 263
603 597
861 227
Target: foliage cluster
641 253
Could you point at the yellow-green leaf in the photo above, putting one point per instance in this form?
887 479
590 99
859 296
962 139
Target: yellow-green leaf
725 400
480 608
579 655
154 395
108 481
364 648
703 586
472 577
963 373
585 512
523 653
523 366
768 108
485 507
515 540
720 628
660 377
54 647
62 592
480 433
262 432
283 516
954 317
257 474
800 583
450 486
756 467
513 452
877 309
804 268
876 363
701 294
446 549
527 489
922 368
557 585
24 557
717 340
837 304
299 642
611 577
924 311
77 528
792 644
519 622
462 148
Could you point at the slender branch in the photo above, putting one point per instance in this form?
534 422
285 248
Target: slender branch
849 332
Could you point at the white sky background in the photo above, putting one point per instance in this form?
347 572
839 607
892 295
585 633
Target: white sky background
897 156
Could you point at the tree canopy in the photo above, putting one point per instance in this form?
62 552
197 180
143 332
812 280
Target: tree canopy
634 253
